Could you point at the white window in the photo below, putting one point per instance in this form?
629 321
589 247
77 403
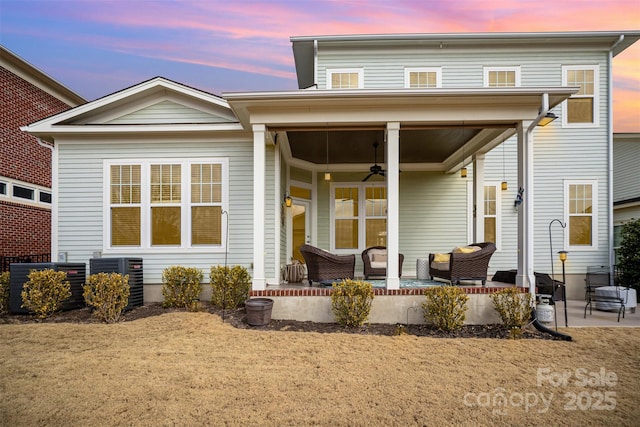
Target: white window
347 78
501 76
424 77
581 207
358 216
492 217
165 203
25 193
581 109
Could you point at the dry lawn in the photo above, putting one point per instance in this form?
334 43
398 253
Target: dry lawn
191 369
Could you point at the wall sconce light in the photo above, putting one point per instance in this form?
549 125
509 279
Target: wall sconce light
288 202
463 173
548 118
504 186
327 176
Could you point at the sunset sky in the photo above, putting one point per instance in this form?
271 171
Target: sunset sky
97 47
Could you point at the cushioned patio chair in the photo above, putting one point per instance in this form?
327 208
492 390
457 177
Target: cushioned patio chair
375 262
457 265
324 266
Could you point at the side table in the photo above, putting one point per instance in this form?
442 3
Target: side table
422 268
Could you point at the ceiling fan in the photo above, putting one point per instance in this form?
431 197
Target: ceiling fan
376 169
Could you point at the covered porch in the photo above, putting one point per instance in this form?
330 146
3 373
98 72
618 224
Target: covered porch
419 133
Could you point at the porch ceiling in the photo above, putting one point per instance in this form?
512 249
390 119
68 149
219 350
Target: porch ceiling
437 127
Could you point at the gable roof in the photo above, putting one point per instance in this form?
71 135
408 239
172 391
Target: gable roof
155 105
304 47
38 78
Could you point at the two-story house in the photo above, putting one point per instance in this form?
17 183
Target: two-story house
179 176
27 95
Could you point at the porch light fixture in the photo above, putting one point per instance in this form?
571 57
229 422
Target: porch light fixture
503 184
288 202
563 256
327 174
463 170
548 118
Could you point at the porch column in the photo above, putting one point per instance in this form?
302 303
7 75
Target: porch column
259 156
478 197
393 204
525 277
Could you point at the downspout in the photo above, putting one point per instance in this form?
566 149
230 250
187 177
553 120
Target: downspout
315 63
544 109
54 199
612 260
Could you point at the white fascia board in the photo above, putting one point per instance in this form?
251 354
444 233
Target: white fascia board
49 131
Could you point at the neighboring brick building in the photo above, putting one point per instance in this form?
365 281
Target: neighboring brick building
26 96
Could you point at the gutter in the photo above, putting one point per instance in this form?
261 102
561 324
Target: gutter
610 203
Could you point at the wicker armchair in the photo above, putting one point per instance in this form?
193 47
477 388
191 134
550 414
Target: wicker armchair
372 271
461 266
323 265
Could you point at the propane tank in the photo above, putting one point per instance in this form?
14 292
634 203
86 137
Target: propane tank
544 310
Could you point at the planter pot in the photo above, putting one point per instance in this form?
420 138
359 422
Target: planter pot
258 311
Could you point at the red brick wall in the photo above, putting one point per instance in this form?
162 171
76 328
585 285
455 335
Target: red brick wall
24 229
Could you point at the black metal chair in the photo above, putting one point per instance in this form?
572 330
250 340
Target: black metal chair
597 279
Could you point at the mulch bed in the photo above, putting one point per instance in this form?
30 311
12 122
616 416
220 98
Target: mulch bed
237 318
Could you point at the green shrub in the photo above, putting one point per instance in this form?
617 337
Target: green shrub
45 291
4 292
351 302
108 295
229 286
181 287
629 256
514 308
445 307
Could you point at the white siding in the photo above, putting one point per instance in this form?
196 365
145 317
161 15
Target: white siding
168 112
626 161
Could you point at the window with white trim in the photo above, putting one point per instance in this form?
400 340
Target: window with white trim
166 203
3 188
359 216
347 78
501 76
25 193
492 218
581 214
581 109
423 77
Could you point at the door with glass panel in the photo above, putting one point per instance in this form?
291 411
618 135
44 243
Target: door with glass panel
300 228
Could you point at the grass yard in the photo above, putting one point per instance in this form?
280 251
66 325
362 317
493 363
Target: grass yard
191 369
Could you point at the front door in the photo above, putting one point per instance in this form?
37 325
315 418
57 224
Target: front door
300 227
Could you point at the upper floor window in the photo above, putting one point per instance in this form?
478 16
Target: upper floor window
25 193
582 107
155 204
3 188
419 78
501 76
352 78
581 214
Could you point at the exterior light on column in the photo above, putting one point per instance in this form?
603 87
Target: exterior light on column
288 202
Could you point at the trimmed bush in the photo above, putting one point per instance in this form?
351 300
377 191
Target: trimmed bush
4 292
181 287
351 302
445 307
629 256
45 291
229 286
108 295
514 308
